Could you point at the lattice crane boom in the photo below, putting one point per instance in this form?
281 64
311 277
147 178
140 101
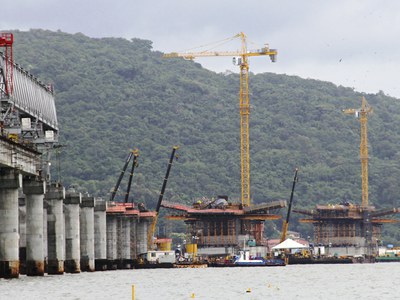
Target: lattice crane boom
240 58
362 113
152 230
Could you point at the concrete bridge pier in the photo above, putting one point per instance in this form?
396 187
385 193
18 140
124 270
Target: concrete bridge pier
72 240
55 194
100 235
87 234
123 242
10 181
34 191
45 242
112 241
22 233
133 223
141 236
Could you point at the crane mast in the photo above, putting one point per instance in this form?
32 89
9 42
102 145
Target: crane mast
244 103
362 113
244 125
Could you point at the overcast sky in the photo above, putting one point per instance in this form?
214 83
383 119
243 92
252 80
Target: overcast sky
351 43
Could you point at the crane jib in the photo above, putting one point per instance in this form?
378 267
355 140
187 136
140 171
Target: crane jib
243 54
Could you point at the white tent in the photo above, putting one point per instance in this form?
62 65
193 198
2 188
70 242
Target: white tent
289 244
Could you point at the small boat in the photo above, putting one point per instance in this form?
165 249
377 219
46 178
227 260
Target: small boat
155 259
245 260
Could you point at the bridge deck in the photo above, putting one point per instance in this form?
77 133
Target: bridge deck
17 156
32 97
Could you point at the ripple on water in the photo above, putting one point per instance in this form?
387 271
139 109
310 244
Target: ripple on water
367 281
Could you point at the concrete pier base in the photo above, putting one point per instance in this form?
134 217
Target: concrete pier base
55 194
133 222
126 253
22 233
123 242
141 236
45 242
112 242
9 246
100 235
87 234
72 240
34 191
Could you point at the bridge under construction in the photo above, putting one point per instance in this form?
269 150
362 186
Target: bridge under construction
46 228
218 227
43 227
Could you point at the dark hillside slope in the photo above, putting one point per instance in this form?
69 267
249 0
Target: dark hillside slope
113 94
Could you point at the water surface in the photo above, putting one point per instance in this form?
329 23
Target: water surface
347 281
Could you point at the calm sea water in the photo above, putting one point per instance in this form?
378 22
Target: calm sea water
358 281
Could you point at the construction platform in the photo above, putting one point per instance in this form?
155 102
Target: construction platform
221 228
347 229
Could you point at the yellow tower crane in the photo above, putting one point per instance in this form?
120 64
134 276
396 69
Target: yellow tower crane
240 58
362 113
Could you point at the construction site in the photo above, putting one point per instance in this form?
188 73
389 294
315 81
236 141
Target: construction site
49 229
347 229
220 228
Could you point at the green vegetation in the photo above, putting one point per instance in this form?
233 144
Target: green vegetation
113 95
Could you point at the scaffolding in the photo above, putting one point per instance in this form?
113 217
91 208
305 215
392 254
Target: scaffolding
347 225
229 225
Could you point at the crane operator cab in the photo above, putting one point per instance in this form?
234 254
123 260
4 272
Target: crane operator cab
237 61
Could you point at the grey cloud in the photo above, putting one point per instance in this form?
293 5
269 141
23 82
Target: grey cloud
316 39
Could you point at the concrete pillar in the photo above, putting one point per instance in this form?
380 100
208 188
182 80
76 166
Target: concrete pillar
45 241
87 234
9 252
141 236
55 195
22 233
100 235
123 242
133 222
72 240
111 241
34 191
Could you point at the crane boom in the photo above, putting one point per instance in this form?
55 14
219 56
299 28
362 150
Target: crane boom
362 113
193 55
160 198
132 153
244 104
285 224
134 164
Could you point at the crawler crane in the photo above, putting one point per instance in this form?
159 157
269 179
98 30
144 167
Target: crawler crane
152 230
285 224
240 58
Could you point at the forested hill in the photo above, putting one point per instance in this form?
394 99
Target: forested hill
113 95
